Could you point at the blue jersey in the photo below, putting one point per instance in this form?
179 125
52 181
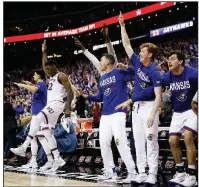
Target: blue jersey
146 79
39 98
183 88
113 90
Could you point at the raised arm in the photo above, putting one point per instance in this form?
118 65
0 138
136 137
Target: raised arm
66 83
108 42
125 39
44 57
89 55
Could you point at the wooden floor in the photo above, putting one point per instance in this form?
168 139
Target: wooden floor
15 179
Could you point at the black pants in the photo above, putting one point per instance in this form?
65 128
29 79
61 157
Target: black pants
11 139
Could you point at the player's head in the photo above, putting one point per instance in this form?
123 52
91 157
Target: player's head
175 60
106 60
51 67
39 75
148 51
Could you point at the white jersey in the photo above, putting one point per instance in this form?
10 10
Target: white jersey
56 91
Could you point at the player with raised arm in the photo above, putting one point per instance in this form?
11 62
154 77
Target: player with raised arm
58 85
112 91
145 116
91 57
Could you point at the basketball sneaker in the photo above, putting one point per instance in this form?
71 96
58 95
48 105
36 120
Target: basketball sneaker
30 164
108 174
57 163
151 179
140 178
131 176
178 178
19 151
48 165
190 180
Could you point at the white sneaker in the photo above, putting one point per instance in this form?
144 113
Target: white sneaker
108 174
140 178
178 178
48 165
18 151
57 163
31 164
131 177
190 180
151 179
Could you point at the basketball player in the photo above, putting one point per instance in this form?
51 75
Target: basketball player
58 84
112 91
38 103
183 81
145 116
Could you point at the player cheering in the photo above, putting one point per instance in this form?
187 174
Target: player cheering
58 85
145 116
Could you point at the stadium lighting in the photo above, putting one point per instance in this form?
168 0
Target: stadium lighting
8 44
25 42
149 17
156 15
14 43
177 8
129 22
117 25
79 36
142 19
107 11
95 32
169 10
89 33
194 18
185 6
113 10
65 37
53 39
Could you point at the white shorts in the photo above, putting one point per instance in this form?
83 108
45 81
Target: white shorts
52 112
183 121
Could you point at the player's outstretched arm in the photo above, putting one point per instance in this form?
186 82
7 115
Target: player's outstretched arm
125 38
109 45
66 83
44 57
31 88
89 55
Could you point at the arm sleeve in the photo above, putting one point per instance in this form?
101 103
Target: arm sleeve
128 74
148 94
111 51
157 79
135 60
93 59
97 98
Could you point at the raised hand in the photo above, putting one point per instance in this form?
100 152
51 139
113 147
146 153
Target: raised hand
104 31
79 44
44 47
121 20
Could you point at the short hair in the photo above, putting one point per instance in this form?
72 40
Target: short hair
179 55
41 73
110 57
152 48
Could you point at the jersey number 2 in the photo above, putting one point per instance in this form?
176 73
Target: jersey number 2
50 110
50 85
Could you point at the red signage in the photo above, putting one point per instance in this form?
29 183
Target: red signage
92 26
